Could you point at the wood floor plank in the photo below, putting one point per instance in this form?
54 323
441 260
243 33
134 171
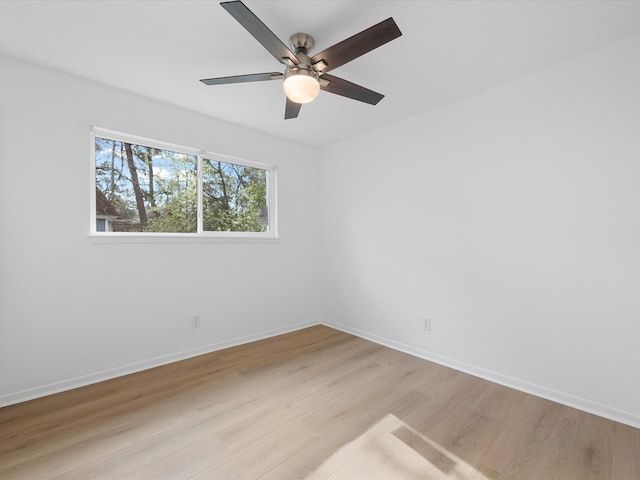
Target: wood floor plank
525 445
456 446
626 459
336 368
318 404
257 459
183 455
77 420
586 452
180 464
498 402
449 394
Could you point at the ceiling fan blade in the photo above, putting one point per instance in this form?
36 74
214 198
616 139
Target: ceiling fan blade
291 110
351 90
253 77
357 45
260 31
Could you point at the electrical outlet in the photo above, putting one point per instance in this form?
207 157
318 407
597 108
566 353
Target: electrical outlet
426 324
195 321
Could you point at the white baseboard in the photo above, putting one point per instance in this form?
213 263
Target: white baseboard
69 384
563 398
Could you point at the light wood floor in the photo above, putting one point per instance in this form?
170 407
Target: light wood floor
316 403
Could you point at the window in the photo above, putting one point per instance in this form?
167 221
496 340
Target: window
145 187
102 225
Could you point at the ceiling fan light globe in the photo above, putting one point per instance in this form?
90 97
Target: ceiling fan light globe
301 88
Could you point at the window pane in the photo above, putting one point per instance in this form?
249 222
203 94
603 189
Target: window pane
145 189
234 197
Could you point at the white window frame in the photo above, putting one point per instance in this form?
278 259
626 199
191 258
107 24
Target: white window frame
136 237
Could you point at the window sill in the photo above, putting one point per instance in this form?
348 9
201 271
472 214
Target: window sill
191 238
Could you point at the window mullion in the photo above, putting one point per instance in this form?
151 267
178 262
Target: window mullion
199 166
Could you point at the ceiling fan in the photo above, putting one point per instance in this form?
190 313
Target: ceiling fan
305 76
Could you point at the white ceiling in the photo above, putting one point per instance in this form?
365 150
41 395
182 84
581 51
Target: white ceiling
449 50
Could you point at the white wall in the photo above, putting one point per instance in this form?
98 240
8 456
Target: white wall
512 219
73 310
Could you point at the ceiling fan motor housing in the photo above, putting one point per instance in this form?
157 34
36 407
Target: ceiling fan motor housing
301 42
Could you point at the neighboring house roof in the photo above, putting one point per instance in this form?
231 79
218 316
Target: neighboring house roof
103 206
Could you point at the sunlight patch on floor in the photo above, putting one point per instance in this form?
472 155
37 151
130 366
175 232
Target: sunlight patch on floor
392 449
